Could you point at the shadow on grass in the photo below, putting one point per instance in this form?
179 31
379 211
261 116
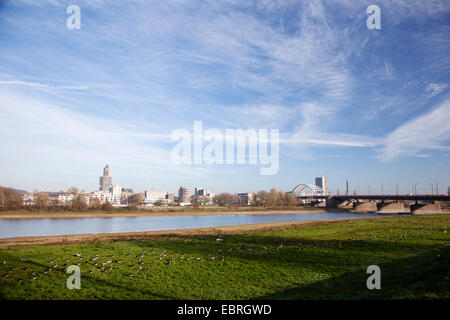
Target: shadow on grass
425 276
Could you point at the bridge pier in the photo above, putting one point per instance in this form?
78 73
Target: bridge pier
365 206
426 208
393 207
348 204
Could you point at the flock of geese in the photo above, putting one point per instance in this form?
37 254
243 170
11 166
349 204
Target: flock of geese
111 262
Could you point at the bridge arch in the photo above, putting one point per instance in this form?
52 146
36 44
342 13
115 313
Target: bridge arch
307 190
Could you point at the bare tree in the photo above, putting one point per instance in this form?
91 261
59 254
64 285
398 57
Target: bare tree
41 201
272 198
72 190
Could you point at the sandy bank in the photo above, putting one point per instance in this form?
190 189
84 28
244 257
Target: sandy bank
72 215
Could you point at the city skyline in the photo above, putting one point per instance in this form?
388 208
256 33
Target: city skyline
371 107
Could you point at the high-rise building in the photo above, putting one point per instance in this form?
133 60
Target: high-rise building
184 194
322 182
106 180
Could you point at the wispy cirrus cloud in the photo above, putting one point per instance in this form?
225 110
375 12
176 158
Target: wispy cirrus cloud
430 131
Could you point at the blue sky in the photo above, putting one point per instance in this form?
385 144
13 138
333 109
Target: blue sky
368 106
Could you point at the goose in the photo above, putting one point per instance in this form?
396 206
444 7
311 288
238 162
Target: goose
129 274
78 254
23 259
280 246
90 271
223 258
4 262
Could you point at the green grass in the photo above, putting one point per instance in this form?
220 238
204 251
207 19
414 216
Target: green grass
412 252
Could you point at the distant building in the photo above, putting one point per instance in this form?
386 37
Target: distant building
244 199
106 180
322 182
203 196
103 197
28 198
184 195
64 199
116 192
170 197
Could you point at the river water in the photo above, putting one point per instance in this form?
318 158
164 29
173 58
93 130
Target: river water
11 228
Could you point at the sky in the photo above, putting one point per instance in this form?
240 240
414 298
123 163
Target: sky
371 106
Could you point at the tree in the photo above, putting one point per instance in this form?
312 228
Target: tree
10 199
95 203
79 203
41 201
272 198
107 206
158 203
72 190
281 201
262 198
225 199
290 199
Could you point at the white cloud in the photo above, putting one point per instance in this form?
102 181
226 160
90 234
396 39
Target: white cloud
435 88
427 132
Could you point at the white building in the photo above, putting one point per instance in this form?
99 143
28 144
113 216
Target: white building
28 198
244 199
116 192
65 199
153 196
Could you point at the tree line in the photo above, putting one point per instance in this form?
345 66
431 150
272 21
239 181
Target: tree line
262 198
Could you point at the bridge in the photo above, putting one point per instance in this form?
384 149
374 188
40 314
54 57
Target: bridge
372 203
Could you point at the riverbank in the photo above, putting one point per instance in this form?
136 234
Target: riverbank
97 214
314 260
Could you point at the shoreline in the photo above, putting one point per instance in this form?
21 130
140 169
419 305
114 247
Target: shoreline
19 242
71 215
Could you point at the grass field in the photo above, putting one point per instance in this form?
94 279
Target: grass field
326 261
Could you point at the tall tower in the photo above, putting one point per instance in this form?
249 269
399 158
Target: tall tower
106 180
106 171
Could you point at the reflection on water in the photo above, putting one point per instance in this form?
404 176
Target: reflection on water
10 228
